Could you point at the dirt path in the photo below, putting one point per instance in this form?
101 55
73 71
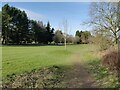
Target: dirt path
79 76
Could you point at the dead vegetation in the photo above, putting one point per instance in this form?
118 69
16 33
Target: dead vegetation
42 78
111 60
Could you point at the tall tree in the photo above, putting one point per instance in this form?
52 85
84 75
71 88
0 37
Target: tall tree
38 32
58 37
85 36
49 32
0 26
5 23
15 25
105 15
77 33
0 20
65 26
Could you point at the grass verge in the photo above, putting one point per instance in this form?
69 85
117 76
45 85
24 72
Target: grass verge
105 78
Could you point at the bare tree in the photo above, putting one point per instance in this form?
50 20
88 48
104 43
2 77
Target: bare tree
106 15
65 26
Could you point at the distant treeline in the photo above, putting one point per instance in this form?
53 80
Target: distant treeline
18 29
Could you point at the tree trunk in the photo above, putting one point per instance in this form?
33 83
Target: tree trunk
115 41
3 40
6 40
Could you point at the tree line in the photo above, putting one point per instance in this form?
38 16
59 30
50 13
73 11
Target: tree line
18 29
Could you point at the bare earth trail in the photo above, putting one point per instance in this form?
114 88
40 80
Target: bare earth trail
79 76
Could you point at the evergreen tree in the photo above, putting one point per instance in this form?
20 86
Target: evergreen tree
15 25
5 23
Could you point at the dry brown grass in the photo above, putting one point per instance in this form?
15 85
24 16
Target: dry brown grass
111 60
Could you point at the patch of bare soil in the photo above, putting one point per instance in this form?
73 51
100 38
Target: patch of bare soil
79 76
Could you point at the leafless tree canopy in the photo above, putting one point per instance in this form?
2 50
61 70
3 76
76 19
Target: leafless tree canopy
106 15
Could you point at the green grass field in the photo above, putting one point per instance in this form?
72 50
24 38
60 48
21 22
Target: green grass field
17 59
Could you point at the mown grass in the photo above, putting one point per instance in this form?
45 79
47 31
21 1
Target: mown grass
18 59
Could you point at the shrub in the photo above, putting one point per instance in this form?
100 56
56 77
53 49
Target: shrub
111 60
102 39
102 42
